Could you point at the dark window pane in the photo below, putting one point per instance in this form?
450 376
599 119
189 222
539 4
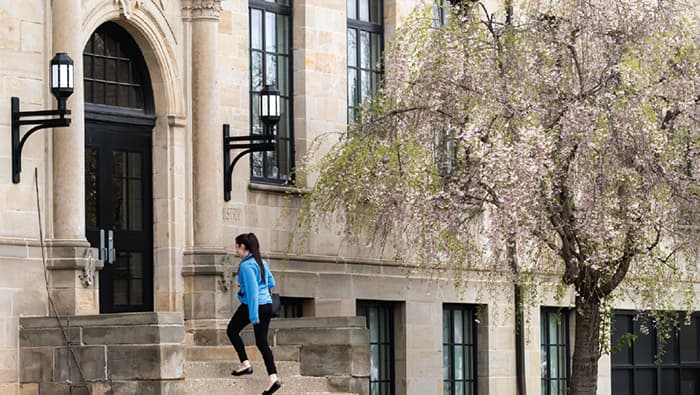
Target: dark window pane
257 164
375 51
111 95
622 325
283 76
671 349
644 348
123 94
689 342
99 97
375 11
88 91
645 382
365 85
135 205
111 46
690 381
111 70
669 381
282 34
622 383
123 72
99 68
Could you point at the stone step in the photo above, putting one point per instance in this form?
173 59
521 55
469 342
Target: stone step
227 353
293 385
222 369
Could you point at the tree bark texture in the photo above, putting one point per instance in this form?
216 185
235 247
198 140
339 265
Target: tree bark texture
584 372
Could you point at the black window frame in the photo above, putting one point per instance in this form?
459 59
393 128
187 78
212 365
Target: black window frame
287 11
449 346
634 370
385 310
562 317
291 307
375 70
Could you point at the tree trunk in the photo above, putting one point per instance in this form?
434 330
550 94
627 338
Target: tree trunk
584 372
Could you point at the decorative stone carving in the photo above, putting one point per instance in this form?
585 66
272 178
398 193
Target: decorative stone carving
88 275
197 9
226 283
128 6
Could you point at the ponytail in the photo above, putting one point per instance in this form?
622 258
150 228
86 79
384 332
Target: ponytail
250 241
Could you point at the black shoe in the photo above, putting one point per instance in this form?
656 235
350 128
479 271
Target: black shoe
275 386
248 370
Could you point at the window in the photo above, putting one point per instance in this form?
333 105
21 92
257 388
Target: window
380 322
113 68
365 42
445 150
291 307
554 351
271 63
634 371
458 350
441 10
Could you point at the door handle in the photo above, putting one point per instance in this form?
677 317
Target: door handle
102 252
111 252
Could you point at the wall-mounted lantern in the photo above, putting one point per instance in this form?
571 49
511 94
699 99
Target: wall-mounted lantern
269 112
61 87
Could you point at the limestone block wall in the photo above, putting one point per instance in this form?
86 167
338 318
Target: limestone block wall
116 354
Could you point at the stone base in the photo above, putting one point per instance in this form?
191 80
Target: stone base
73 278
117 354
210 285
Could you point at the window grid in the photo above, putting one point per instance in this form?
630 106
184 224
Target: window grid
109 72
555 352
365 30
380 322
459 350
271 63
634 370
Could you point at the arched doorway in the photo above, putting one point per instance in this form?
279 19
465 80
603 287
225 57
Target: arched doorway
118 182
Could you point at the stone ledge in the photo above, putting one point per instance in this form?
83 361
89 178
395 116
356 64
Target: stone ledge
119 319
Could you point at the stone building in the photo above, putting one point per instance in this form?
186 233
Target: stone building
141 164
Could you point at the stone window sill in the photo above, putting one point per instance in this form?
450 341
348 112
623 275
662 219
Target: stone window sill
280 189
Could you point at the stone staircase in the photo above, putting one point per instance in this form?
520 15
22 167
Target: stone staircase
208 371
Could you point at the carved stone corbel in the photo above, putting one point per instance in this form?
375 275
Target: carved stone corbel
226 283
88 275
128 6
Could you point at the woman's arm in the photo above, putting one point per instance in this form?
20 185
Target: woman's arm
251 292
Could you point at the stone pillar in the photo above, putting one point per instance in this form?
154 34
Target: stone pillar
73 277
207 270
207 160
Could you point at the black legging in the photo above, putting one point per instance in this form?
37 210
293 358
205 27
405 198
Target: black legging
239 321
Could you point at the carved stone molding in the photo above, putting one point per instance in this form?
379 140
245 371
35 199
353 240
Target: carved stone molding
87 277
201 9
226 283
128 6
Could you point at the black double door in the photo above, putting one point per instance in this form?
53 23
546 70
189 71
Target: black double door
118 197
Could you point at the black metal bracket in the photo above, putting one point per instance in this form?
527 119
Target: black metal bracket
253 143
43 123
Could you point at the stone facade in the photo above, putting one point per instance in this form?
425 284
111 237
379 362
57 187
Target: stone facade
197 55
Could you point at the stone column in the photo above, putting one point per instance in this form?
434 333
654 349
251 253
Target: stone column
207 160
206 270
73 282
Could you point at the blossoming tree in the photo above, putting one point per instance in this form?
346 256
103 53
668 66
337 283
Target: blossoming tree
558 137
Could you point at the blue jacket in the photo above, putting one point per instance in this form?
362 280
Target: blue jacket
253 291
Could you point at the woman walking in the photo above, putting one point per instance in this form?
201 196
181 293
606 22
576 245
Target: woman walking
255 281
